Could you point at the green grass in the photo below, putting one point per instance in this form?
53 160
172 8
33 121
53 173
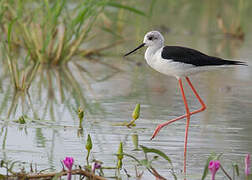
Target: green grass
35 33
52 31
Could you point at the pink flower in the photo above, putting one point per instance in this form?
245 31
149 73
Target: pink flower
96 165
68 162
247 164
213 167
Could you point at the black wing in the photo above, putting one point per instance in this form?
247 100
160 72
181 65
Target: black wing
194 57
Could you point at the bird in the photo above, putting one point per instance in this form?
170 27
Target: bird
180 62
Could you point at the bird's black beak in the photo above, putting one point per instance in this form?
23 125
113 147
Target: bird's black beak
142 45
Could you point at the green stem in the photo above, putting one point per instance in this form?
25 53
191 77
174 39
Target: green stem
88 157
225 172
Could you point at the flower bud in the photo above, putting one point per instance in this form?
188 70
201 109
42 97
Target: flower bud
247 165
89 144
214 167
120 155
136 112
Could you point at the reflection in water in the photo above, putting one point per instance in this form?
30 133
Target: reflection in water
56 94
55 86
135 141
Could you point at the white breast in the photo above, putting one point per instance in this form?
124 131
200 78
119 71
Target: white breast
166 66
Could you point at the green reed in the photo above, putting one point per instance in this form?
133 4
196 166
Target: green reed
35 34
52 32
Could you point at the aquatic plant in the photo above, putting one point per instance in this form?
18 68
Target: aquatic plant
120 156
96 165
247 166
235 31
135 115
135 141
68 162
147 163
214 167
55 85
89 146
81 116
52 32
22 74
213 164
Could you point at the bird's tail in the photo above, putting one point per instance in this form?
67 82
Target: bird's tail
230 62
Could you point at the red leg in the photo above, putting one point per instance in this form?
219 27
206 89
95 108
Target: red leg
160 126
188 114
198 97
187 122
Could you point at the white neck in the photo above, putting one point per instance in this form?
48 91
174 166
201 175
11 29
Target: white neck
151 50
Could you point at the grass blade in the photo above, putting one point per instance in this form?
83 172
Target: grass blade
131 9
9 32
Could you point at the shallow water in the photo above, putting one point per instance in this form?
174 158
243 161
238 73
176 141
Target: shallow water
225 127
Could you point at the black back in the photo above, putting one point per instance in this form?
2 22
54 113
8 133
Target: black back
194 57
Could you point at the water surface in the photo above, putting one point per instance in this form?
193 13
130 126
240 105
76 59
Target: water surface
225 127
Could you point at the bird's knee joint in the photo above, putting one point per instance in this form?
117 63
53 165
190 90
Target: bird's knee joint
188 115
203 108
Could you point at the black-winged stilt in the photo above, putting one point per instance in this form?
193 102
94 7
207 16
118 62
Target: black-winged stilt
179 62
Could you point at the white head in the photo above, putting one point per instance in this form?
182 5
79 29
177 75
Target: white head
151 39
